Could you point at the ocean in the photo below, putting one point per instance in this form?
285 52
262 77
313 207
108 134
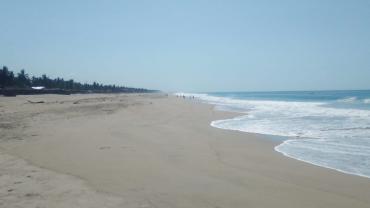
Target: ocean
325 128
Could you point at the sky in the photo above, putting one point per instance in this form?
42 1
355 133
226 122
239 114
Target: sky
192 46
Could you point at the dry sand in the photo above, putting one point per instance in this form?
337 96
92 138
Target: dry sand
150 151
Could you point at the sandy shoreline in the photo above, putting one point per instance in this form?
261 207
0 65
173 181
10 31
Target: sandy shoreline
150 151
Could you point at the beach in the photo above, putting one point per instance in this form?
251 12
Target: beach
151 150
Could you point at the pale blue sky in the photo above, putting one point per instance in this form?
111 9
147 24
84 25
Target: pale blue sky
192 45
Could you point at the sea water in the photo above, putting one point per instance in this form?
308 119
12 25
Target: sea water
325 128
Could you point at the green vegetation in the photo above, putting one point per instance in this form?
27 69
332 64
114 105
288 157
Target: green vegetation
23 81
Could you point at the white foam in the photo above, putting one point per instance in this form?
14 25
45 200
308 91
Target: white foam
279 149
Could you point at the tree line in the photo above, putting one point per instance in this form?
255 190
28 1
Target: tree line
22 80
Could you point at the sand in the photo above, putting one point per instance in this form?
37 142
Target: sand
150 151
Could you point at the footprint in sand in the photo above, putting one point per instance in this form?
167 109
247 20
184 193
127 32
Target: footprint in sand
104 147
32 195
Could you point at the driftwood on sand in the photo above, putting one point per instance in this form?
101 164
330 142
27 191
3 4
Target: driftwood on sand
35 102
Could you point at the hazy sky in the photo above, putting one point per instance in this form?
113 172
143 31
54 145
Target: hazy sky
192 45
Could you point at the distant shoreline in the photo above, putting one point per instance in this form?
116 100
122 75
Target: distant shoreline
12 84
19 91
